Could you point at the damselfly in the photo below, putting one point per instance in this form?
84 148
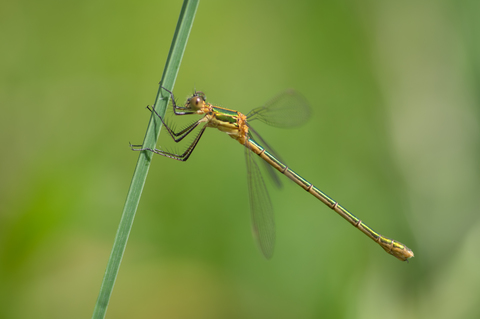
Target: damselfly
285 110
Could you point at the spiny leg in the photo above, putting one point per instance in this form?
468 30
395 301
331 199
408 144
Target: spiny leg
183 133
179 157
176 107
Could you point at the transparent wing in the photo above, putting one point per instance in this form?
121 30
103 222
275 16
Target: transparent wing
271 171
287 109
263 222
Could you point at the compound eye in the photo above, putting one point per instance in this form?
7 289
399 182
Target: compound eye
195 102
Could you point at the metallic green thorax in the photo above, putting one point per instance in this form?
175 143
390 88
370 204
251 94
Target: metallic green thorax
225 115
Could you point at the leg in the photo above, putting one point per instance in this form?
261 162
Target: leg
177 136
179 157
175 107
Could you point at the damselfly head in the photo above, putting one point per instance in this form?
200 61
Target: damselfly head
196 101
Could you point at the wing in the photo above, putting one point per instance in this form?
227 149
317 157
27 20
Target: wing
287 109
271 171
263 221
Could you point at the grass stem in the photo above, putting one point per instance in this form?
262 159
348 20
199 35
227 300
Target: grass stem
179 42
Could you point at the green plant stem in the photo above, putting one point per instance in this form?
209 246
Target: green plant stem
170 72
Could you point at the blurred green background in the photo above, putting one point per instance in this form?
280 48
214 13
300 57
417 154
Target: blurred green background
394 137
